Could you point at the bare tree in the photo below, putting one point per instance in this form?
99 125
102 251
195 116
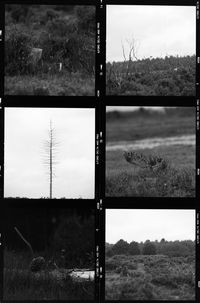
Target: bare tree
115 72
132 54
50 149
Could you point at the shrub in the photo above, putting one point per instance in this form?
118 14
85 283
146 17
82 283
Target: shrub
17 48
19 13
86 17
149 161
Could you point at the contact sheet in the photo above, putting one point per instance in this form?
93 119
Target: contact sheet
99 157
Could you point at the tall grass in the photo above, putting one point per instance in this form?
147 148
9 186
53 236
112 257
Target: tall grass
21 284
153 176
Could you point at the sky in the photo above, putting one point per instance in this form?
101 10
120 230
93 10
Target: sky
157 30
26 130
149 224
133 108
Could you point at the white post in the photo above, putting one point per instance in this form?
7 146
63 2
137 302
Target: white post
60 66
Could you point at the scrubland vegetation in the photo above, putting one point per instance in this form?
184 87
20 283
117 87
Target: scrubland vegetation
66 34
172 171
169 76
156 270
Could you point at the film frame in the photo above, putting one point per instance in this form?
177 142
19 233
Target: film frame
73 102
142 202
99 102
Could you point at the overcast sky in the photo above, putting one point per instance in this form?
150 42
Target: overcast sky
143 224
157 30
26 129
132 108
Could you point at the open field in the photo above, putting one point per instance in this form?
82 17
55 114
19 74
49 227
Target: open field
49 284
175 179
153 277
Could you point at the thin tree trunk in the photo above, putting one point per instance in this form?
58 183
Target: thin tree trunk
50 146
50 159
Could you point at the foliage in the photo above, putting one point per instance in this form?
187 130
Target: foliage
159 76
121 247
156 277
17 49
65 34
86 17
153 184
21 284
177 248
150 161
74 235
149 248
134 248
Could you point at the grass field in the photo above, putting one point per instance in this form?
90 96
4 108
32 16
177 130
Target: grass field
155 277
21 284
124 179
64 84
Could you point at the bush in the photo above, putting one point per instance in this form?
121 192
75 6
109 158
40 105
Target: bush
17 49
86 16
19 12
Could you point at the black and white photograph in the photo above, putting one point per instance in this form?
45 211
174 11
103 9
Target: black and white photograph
50 50
49 254
150 151
150 50
99 151
150 254
49 153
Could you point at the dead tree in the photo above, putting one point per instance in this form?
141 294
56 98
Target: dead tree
50 148
132 55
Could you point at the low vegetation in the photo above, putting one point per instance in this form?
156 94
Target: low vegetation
162 181
22 284
150 277
62 251
151 171
169 76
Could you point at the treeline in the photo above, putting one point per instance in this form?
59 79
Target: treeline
159 76
169 248
155 64
148 112
65 33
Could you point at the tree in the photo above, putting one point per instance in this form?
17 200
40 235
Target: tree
50 147
120 248
134 248
149 248
132 54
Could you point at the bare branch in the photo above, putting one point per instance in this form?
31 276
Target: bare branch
123 51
